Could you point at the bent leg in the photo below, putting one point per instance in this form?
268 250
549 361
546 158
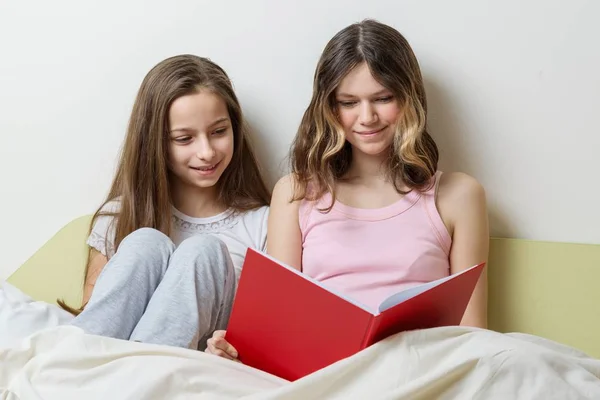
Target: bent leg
126 284
194 298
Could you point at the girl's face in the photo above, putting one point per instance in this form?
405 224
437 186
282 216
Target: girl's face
367 111
201 139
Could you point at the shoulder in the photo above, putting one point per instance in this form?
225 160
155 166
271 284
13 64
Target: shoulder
107 213
111 207
102 234
284 193
459 196
460 187
106 216
285 188
289 191
283 203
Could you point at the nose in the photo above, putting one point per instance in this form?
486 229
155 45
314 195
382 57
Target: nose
204 150
368 114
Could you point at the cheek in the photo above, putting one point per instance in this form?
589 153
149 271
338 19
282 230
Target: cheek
225 146
389 113
346 118
175 156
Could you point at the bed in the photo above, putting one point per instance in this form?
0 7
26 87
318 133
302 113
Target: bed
543 341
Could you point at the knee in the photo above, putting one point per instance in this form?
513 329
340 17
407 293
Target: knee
209 253
203 244
148 240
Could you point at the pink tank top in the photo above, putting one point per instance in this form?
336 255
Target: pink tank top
370 254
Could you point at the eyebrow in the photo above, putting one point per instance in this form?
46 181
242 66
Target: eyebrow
382 91
216 122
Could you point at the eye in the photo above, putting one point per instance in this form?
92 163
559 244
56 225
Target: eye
182 139
220 131
385 99
347 103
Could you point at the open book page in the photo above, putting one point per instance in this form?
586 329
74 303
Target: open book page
404 295
316 282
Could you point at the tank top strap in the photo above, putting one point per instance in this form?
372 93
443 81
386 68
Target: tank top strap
432 191
430 204
306 208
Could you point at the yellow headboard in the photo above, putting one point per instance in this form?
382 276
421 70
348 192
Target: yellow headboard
541 288
547 289
57 269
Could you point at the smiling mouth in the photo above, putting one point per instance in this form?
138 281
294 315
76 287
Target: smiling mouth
370 133
207 168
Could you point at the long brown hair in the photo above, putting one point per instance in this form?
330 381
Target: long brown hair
320 155
141 182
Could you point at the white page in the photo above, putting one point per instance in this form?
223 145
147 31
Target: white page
404 295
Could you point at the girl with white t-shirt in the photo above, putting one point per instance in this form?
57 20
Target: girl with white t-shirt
187 200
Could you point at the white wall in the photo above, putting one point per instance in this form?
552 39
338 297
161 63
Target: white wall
513 86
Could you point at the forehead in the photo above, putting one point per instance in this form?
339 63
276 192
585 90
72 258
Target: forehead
359 82
197 109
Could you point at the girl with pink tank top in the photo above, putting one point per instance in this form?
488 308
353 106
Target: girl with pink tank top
370 254
365 209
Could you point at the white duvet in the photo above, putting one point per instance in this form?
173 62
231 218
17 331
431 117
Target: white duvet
62 362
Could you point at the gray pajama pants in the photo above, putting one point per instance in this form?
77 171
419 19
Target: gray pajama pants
152 292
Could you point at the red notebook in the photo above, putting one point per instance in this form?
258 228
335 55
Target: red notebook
288 324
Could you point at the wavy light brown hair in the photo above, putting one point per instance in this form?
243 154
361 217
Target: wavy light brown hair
320 154
142 179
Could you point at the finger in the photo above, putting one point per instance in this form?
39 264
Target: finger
211 348
210 345
222 354
224 345
219 334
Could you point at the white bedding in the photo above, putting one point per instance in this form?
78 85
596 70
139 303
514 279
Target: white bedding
20 315
62 362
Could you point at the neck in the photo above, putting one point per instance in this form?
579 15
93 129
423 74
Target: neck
369 167
194 201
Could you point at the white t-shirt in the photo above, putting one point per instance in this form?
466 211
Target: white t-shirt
238 230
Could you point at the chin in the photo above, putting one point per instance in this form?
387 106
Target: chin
195 183
375 148
372 151
205 183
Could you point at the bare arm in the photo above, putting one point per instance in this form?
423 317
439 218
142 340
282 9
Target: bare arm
96 263
462 204
284 238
